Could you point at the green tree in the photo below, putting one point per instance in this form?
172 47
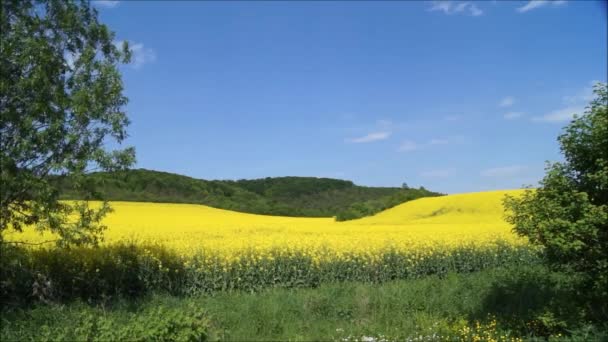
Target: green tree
61 102
568 213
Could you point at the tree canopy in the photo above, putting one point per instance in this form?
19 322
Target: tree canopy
287 196
62 104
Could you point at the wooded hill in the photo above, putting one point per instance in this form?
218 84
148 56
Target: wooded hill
288 196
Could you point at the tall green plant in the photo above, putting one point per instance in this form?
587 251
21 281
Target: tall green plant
62 101
568 213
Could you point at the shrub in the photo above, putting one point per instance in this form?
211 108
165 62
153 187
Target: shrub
154 322
128 270
568 214
90 274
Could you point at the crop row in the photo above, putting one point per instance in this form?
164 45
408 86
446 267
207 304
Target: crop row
129 269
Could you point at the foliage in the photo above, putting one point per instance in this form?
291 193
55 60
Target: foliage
189 249
289 187
61 96
253 272
568 213
286 196
184 248
454 307
132 270
374 206
156 321
154 186
92 274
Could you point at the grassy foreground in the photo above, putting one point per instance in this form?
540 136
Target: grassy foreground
433 269
500 304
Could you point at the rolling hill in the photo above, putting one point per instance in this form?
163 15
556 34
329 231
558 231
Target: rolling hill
423 224
286 196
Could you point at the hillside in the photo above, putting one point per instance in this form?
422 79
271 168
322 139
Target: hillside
286 196
474 208
422 223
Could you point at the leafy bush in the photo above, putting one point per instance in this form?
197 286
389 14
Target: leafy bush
568 214
155 322
529 303
90 274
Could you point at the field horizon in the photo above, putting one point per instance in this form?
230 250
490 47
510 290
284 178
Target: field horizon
282 196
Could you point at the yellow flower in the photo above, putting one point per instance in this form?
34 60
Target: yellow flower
416 230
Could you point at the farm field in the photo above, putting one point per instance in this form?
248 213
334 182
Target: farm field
194 250
197 249
446 221
364 171
450 264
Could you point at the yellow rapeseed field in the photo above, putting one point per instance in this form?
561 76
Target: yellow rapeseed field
194 248
425 224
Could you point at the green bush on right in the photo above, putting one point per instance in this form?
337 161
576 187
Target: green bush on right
568 213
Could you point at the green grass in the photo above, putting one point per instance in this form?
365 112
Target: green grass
525 301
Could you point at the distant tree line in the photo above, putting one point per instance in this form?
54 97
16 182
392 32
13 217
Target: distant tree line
373 206
288 196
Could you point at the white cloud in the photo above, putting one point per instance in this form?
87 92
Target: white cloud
140 54
461 7
452 117
584 95
408 146
507 101
438 142
513 115
375 136
574 104
106 3
475 11
384 123
560 115
436 173
453 7
443 6
533 4
504 172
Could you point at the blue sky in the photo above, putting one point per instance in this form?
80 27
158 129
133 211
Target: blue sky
457 96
